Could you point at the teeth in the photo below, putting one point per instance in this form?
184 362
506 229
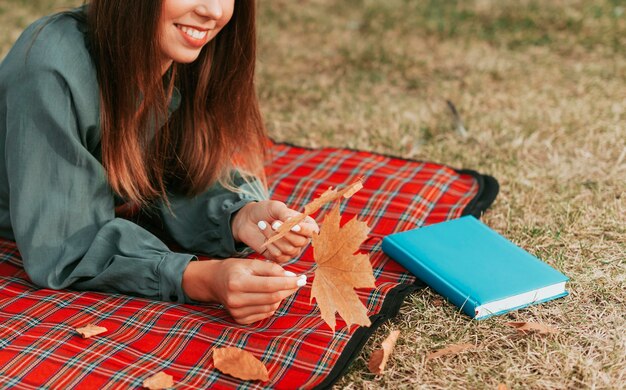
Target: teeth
192 32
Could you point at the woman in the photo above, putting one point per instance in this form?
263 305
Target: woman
149 103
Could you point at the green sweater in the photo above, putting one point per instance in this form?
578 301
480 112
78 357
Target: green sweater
55 200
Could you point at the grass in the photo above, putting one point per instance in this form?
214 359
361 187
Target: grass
541 88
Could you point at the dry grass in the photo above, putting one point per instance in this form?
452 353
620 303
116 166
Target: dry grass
541 88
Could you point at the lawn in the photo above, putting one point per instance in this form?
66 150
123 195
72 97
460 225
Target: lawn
540 87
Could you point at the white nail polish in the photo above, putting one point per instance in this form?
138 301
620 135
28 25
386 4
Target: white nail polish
276 225
301 282
303 276
296 228
262 225
289 273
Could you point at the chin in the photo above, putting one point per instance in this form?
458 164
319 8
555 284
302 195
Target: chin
187 59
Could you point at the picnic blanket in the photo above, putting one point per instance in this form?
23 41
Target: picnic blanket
39 347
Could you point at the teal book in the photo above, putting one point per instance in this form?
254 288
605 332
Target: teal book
474 267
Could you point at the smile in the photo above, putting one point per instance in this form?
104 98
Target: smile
192 32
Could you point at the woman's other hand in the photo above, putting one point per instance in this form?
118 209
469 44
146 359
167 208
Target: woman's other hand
251 290
257 221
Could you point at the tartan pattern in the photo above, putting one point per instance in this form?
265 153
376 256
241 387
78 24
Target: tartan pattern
39 347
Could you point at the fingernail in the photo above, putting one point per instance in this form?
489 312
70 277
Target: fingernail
301 282
262 225
276 225
289 273
303 276
296 228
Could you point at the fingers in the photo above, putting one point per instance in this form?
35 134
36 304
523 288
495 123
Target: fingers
279 211
258 307
264 268
265 277
276 285
257 295
274 214
285 249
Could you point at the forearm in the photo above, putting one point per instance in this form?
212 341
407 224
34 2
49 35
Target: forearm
121 258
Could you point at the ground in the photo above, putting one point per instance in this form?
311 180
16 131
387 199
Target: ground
540 88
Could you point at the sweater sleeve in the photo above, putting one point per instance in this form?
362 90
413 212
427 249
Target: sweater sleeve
62 208
203 223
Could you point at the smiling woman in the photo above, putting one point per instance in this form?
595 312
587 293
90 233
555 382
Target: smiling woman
148 103
186 26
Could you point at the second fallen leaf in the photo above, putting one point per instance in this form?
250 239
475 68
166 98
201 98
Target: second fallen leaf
532 327
158 381
379 358
451 349
91 330
240 364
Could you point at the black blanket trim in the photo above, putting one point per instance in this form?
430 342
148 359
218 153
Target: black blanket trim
488 189
391 306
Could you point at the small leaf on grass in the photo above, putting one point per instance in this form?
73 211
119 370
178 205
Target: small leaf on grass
532 327
379 358
328 196
452 349
91 330
339 270
437 302
240 364
502 386
159 381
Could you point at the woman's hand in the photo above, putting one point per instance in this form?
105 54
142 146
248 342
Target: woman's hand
251 290
255 223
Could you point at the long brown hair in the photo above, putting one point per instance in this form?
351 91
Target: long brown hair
218 126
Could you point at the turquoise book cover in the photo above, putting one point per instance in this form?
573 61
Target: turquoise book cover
474 267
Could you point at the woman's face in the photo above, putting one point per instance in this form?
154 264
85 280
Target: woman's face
187 25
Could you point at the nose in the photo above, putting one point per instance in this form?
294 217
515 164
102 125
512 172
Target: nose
211 9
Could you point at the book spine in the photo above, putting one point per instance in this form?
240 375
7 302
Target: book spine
437 282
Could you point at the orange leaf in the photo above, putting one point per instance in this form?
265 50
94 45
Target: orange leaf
339 271
379 358
452 349
502 386
240 364
328 196
532 327
160 380
91 330
437 302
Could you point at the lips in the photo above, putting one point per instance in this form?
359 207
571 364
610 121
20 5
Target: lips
194 36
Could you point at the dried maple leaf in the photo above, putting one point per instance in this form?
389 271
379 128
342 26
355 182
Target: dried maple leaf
90 330
532 327
240 364
379 358
158 381
328 196
339 271
452 349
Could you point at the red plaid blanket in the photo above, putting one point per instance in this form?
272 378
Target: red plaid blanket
40 349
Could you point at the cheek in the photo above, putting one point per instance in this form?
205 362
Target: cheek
228 7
